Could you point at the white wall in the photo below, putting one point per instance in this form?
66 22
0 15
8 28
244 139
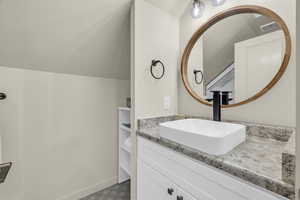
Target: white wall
60 131
276 107
174 7
83 37
298 100
156 36
253 74
133 121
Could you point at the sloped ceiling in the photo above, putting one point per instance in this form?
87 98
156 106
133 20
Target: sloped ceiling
85 37
174 7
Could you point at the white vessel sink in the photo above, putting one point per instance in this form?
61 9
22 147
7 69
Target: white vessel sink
216 138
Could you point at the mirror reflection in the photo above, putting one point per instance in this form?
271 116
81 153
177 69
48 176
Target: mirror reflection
240 54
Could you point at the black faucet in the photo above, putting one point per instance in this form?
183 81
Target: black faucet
217 103
225 97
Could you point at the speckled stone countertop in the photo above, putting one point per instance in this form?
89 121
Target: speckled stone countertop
258 160
289 161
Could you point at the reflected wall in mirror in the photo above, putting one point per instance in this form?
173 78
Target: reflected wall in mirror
244 50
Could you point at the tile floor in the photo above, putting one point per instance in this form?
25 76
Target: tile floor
116 192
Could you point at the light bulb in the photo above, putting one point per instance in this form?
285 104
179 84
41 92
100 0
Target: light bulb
217 2
197 9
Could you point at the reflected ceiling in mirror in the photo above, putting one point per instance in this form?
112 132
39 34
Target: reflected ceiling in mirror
244 51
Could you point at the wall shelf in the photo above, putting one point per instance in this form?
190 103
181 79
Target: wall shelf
125 128
124 109
126 169
124 150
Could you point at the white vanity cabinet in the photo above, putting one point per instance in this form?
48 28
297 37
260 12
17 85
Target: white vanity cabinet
182 195
164 174
154 185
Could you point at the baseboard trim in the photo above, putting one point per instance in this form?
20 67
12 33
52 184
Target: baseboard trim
90 190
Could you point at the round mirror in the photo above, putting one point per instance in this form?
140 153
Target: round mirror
243 51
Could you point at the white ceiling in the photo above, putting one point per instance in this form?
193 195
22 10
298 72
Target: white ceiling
174 7
85 37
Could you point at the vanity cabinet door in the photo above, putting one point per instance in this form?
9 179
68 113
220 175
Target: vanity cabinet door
182 195
152 185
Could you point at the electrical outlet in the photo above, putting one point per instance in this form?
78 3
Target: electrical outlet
167 103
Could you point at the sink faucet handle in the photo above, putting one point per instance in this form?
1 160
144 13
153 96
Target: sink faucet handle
226 92
209 100
216 94
225 97
216 91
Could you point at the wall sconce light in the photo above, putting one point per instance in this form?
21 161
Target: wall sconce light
197 9
217 2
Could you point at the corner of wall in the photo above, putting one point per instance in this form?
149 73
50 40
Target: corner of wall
298 100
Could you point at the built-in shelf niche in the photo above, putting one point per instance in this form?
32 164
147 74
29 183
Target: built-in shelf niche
124 144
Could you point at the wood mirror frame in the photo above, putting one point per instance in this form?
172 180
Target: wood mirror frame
215 19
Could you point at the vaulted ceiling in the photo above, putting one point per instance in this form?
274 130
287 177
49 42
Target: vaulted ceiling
85 37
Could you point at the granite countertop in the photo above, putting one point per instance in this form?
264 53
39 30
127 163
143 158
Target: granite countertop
289 161
258 160
290 148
